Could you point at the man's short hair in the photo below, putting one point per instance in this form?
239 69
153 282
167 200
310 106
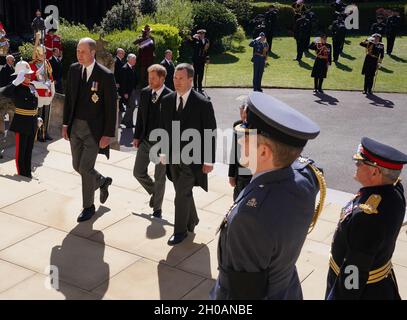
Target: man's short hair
119 49
283 154
186 66
167 51
10 57
131 56
91 43
159 69
389 175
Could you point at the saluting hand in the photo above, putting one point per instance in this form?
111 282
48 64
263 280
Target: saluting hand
104 142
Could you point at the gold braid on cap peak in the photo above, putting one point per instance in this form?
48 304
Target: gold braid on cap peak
322 196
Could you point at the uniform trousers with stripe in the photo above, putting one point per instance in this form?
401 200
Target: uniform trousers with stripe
24 149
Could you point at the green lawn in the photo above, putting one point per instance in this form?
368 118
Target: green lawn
234 69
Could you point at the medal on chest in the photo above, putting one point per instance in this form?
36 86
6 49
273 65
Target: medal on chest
94 89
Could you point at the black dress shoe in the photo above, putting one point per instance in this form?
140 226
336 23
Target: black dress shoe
177 238
86 213
48 137
320 91
104 189
157 214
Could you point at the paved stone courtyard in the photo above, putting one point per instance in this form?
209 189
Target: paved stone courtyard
122 253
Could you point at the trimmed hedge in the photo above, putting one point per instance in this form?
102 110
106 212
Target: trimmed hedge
324 14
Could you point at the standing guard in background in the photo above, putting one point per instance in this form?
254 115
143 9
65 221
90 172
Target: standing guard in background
51 42
146 53
301 32
338 29
392 28
339 8
270 19
365 238
199 57
379 27
322 61
373 59
43 81
24 122
168 64
38 25
260 54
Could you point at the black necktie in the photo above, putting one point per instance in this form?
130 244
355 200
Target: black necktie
154 97
181 105
84 76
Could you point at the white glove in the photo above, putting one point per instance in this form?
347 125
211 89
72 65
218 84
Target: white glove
20 78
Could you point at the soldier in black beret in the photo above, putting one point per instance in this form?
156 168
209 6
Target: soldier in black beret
365 238
262 234
24 122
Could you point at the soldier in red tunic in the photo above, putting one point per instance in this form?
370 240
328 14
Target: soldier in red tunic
52 41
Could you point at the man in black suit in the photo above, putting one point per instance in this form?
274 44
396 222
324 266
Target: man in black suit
119 62
56 65
6 72
127 89
89 121
148 119
169 66
187 110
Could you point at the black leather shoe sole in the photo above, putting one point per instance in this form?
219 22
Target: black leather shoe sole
177 238
157 214
104 189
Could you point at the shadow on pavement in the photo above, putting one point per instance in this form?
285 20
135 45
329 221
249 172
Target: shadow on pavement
326 99
82 265
156 229
165 284
380 102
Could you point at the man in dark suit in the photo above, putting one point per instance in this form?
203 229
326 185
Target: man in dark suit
6 72
56 65
169 66
89 121
119 62
127 89
148 119
185 110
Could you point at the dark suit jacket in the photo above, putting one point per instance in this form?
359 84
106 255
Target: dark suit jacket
169 79
118 64
103 112
56 68
142 113
6 75
197 114
128 80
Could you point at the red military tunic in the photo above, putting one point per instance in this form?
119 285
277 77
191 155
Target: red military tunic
52 41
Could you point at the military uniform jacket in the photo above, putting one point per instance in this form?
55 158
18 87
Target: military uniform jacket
378 27
338 30
374 52
25 99
199 53
263 233
301 28
392 25
259 48
366 237
322 60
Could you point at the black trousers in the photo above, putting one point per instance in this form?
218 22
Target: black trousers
390 43
318 83
199 68
301 46
24 149
45 115
369 79
183 179
337 47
